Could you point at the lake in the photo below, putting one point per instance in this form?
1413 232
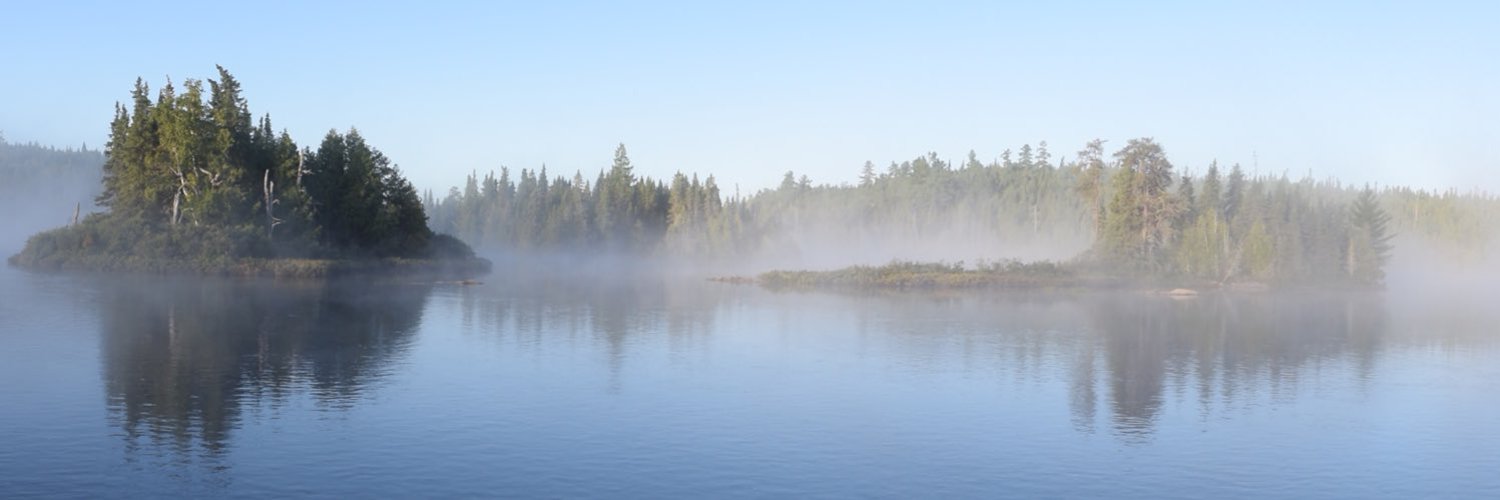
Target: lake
652 388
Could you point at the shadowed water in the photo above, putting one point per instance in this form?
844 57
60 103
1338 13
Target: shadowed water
652 388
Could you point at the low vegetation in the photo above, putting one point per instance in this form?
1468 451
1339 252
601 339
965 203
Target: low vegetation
916 275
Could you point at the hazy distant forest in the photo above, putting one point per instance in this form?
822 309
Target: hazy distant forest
1130 212
41 186
191 175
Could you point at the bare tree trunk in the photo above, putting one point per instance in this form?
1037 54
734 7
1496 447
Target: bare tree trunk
268 189
1036 222
179 195
1233 265
1349 257
76 208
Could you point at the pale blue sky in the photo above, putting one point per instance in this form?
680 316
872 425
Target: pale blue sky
1365 91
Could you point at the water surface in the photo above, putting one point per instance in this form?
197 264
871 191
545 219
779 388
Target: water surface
679 388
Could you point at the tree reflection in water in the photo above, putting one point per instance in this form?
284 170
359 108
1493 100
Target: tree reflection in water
181 360
1227 348
1119 352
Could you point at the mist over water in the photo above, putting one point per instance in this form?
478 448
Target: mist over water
542 386
583 370
41 188
1223 250
959 237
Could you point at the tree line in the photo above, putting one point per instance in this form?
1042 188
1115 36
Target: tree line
1129 212
691 216
42 187
190 173
1225 228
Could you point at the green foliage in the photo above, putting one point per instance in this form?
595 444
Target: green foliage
1139 224
618 213
1121 242
1234 194
1090 183
1259 252
1369 241
102 243
360 201
442 246
1145 221
1209 200
690 217
188 178
114 242
1463 227
1200 252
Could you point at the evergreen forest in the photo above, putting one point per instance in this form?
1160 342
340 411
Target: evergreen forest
1127 213
192 181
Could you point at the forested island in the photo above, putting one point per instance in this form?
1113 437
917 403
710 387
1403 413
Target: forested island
192 183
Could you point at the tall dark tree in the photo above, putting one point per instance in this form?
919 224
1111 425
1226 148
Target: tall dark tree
1142 210
1234 193
1209 197
867 173
1090 183
1187 196
1369 244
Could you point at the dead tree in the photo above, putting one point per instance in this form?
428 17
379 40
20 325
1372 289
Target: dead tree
179 196
213 179
268 189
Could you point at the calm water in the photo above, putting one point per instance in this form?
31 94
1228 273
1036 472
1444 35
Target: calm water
113 388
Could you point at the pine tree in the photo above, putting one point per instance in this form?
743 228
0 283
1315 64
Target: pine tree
1143 204
972 163
1188 198
1090 185
1209 200
1234 194
1369 244
1120 238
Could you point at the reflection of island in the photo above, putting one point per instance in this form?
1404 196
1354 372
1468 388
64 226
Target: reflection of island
1128 356
613 311
1217 346
182 359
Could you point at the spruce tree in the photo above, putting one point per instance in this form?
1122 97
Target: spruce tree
1369 245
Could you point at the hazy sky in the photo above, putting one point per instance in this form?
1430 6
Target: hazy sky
1365 91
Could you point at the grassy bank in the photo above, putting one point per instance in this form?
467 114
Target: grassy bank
256 267
106 243
916 275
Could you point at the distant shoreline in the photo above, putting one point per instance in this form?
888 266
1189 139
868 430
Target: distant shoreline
1041 276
